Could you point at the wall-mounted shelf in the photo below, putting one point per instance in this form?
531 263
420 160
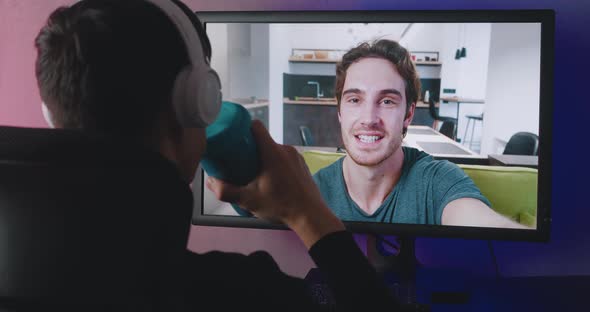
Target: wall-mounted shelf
312 60
302 60
428 63
316 55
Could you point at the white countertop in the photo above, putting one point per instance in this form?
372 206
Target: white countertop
249 103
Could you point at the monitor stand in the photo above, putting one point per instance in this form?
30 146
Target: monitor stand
399 272
397 269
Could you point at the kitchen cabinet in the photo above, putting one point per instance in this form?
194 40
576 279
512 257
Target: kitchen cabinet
321 119
422 117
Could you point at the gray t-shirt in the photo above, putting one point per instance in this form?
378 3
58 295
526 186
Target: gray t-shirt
425 187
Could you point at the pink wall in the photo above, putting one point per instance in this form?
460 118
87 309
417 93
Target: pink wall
20 22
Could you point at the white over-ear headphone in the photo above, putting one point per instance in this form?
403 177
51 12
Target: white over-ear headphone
196 95
47 115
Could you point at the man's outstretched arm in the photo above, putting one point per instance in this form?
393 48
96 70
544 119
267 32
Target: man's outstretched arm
473 212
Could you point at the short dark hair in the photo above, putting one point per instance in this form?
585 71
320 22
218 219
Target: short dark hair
108 66
388 50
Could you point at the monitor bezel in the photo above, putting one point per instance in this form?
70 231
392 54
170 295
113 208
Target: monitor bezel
547 20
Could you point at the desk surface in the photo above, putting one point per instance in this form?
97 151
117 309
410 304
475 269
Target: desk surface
514 160
311 101
437 144
249 103
461 99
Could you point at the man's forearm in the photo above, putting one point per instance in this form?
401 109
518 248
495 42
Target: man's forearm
310 229
472 212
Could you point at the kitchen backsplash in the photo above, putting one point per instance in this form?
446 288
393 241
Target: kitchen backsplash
433 86
297 85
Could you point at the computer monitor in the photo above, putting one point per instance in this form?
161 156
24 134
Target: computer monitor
485 105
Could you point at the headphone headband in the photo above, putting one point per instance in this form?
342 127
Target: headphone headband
185 27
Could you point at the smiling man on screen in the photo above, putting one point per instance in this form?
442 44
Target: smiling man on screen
377 87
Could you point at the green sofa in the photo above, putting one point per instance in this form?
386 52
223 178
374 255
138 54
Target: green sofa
511 190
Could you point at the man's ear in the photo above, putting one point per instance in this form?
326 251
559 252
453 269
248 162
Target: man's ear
47 115
409 115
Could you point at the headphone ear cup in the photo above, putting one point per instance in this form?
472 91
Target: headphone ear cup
211 97
196 97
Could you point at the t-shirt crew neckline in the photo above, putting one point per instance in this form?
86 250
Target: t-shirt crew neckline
387 200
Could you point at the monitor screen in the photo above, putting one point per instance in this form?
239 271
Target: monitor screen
421 123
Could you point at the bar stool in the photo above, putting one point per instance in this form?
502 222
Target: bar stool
475 118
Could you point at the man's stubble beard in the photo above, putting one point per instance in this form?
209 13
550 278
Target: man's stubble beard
358 159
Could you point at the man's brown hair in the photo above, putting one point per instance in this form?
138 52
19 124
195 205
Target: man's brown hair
385 49
109 66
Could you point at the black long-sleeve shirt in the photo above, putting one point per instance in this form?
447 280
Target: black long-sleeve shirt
222 281
118 237
254 282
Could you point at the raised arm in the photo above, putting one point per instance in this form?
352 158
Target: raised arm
473 212
284 192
